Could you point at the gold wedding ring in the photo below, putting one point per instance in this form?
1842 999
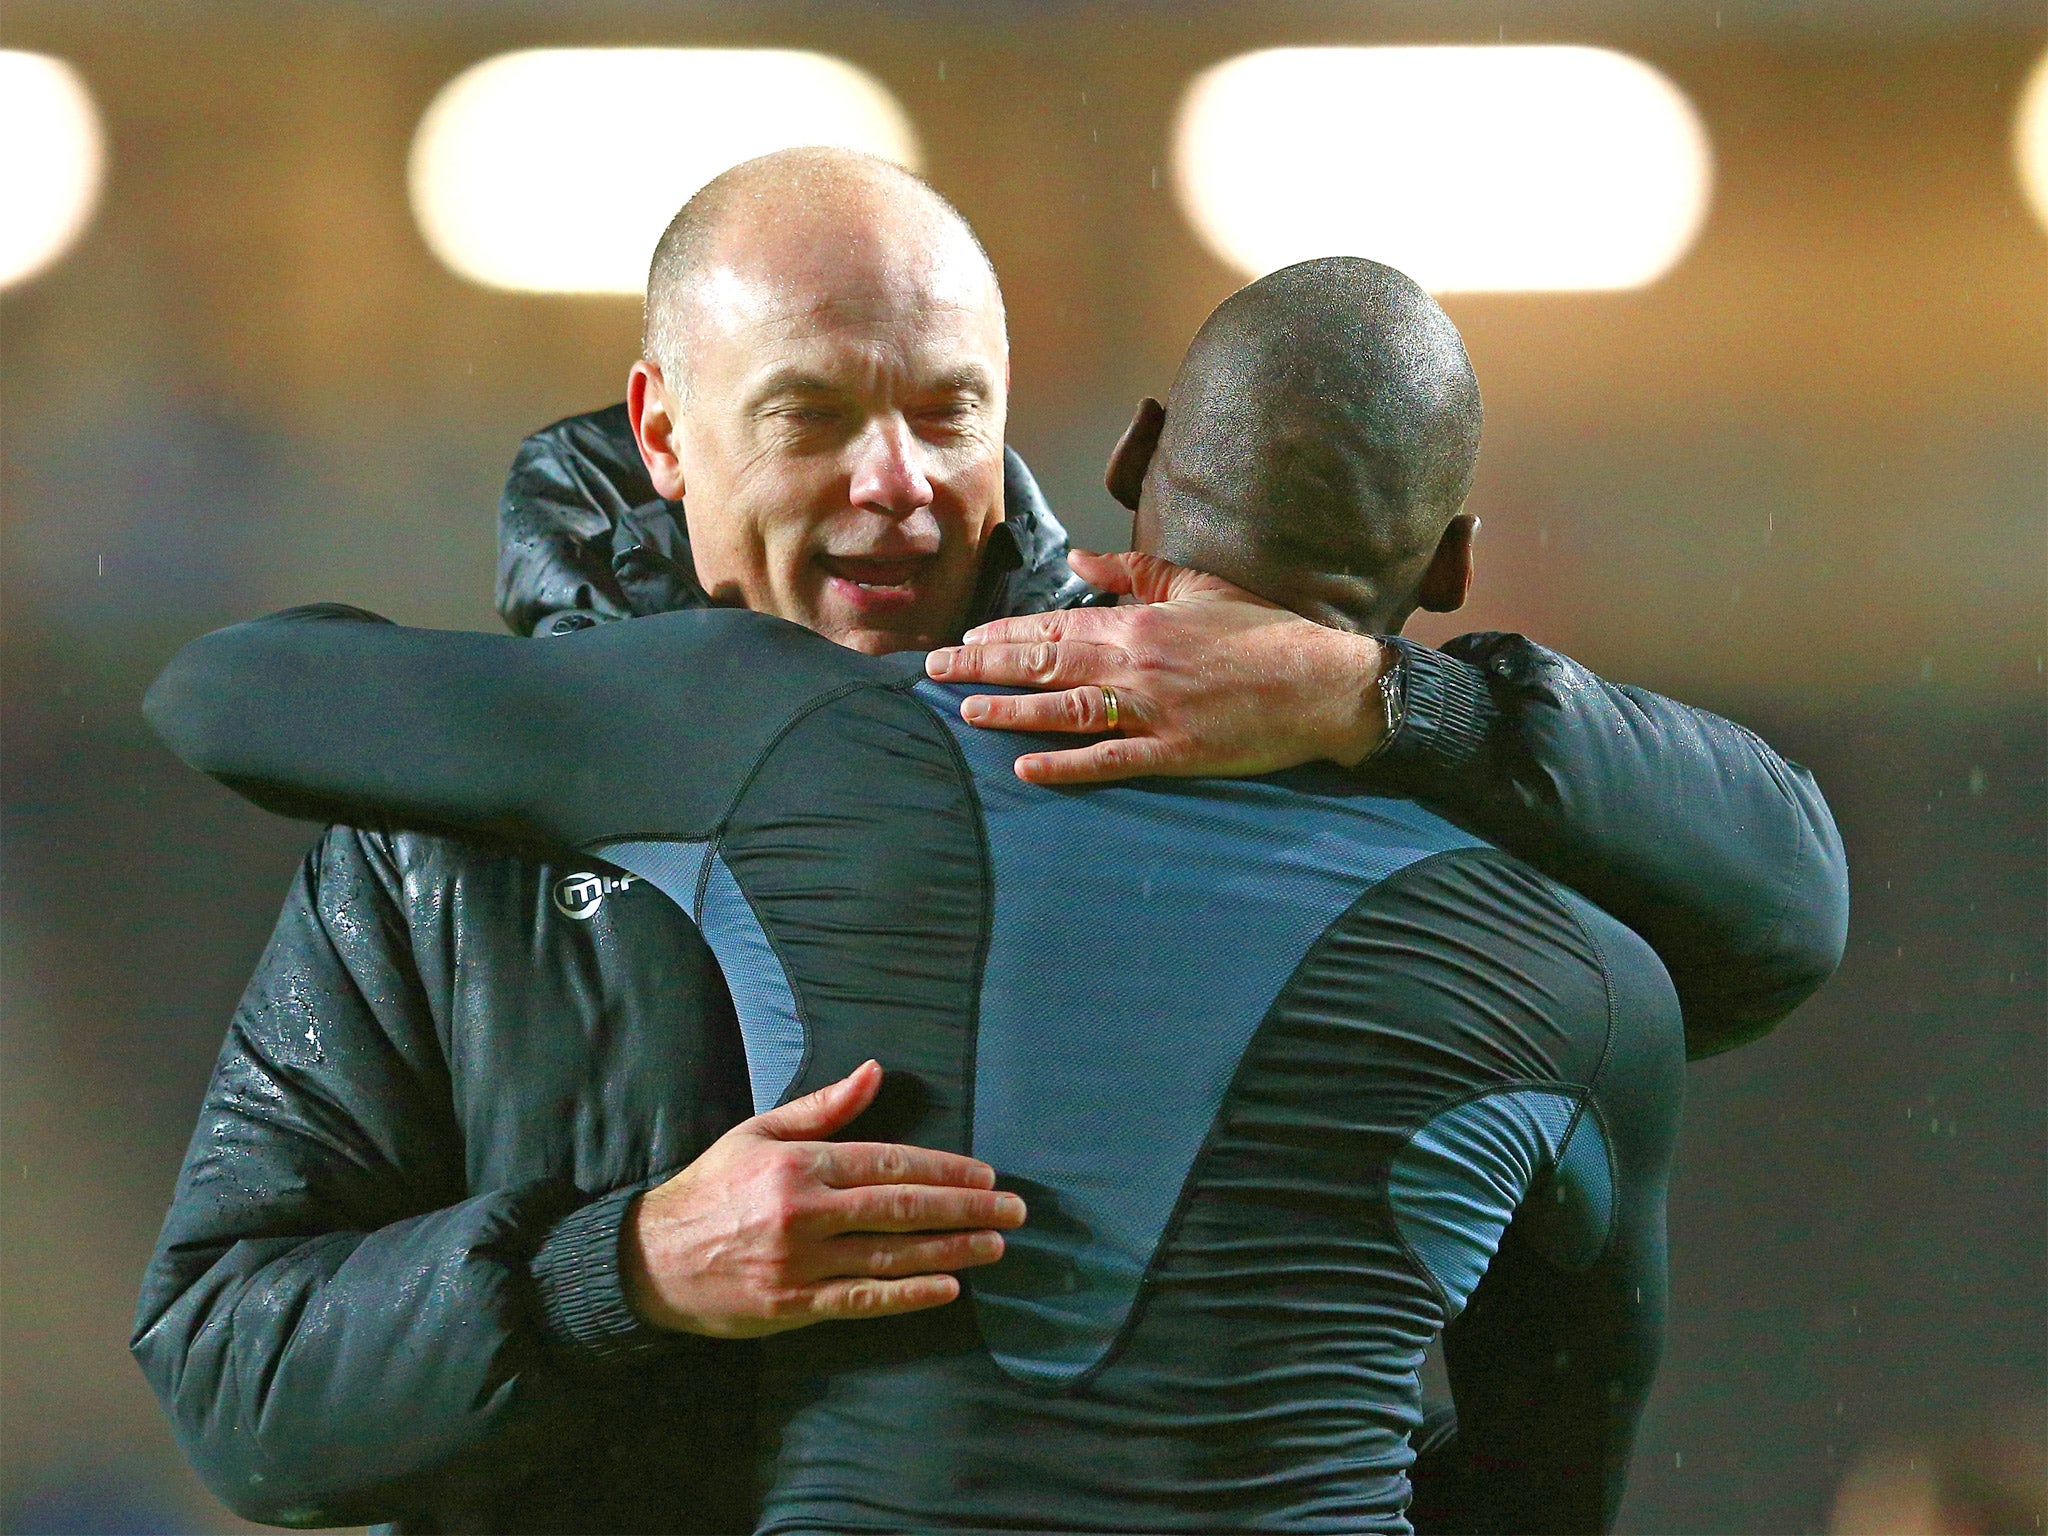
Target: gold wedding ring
1108 706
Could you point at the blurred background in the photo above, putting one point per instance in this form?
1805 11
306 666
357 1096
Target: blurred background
1760 307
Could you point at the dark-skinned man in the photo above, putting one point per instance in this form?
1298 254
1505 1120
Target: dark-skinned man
424 1310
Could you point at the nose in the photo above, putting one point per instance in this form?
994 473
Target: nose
889 470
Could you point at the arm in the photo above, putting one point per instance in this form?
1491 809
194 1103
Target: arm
1686 827
643 729
336 1330
1554 1356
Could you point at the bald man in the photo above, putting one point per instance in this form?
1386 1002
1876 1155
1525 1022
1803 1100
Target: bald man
469 1081
1265 1178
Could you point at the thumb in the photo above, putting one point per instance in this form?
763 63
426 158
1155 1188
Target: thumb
1106 572
831 1108
1147 577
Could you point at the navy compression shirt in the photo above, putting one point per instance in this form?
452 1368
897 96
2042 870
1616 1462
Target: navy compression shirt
1292 1076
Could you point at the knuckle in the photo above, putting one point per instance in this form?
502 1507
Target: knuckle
1041 661
777 1258
861 1296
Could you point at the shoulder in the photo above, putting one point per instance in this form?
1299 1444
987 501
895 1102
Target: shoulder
592 452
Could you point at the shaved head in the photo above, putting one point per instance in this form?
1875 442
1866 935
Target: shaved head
788 214
823 386
1320 436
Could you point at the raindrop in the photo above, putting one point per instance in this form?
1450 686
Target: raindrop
1976 779
1926 669
942 69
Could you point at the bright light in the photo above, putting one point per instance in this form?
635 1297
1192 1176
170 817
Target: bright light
1470 169
556 170
52 157
2030 140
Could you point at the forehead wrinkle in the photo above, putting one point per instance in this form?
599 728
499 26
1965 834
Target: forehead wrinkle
790 305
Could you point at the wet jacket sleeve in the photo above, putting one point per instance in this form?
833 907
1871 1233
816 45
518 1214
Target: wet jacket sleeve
1685 826
338 1330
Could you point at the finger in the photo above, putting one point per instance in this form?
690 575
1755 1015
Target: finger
1022 629
1150 579
889 1257
817 1115
1107 573
1120 757
846 1300
1038 664
1060 624
911 1208
852 1164
1085 708
1146 577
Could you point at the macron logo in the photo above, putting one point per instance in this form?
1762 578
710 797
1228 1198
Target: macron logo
578 896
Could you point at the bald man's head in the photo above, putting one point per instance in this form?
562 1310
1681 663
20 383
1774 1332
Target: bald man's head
786 215
824 389
1320 436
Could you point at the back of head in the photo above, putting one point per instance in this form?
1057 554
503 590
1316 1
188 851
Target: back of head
1321 434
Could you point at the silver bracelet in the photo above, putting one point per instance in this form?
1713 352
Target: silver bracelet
1393 687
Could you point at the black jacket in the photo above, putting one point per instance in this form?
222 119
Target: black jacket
387 1288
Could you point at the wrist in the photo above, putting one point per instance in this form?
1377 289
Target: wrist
580 1280
1358 679
1450 717
639 1233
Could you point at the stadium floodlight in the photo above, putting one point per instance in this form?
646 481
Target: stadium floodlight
1473 169
626 135
2030 141
52 161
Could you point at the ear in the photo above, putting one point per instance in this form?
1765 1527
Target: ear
1132 455
653 418
1447 580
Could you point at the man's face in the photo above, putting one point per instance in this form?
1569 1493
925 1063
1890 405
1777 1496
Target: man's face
839 441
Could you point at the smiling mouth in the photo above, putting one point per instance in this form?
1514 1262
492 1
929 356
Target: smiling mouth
880 575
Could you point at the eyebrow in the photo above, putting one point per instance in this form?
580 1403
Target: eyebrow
794 381
964 379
